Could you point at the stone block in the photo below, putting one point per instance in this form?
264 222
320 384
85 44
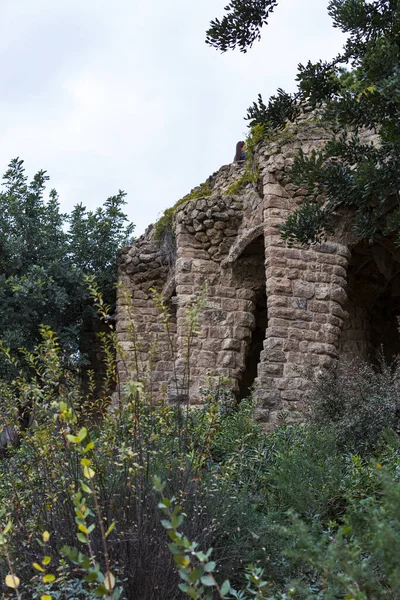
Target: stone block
223 332
241 319
203 266
225 292
205 359
201 237
231 344
277 285
303 289
339 295
211 345
240 333
274 189
276 202
226 359
322 292
273 343
261 415
274 355
291 345
319 306
236 304
321 348
300 303
244 293
278 301
270 369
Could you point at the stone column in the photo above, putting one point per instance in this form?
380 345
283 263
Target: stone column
145 346
305 299
205 229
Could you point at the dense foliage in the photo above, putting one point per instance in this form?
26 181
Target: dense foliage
44 256
312 508
349 171
241 26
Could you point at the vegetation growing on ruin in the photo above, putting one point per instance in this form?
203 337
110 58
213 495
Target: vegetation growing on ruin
251 174
134 503
132 498
165 222
348 171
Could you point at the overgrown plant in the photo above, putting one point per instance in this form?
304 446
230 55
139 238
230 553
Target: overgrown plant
251 174
70 471
358 401
165 222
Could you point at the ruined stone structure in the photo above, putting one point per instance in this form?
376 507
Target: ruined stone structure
270 310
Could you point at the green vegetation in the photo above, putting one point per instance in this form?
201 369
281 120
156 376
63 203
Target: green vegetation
44 257
250 174
308 511
165 222
241 26
348 171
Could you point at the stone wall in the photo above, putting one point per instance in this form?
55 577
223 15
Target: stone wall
271 312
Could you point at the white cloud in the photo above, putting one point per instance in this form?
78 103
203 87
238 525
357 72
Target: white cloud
127 95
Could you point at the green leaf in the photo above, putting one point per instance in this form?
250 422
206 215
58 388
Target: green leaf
109 530
207 580
82 538
91 576
7 528
100 591
89 447
86 488
88 472
182 561
225 587
190 591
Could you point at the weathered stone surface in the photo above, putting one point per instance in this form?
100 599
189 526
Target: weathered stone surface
291 301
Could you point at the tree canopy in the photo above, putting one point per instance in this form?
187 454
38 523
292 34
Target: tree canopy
241 26
357 90
44 256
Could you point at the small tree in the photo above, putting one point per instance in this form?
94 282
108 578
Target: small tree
44 256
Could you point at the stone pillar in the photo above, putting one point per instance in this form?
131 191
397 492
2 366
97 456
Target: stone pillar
145 347
305 299
205 229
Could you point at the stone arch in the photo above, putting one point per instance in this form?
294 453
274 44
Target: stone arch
373 304
242 242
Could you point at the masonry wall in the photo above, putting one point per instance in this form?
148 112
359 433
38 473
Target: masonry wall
271 312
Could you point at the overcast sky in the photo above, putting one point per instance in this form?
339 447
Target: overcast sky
126 94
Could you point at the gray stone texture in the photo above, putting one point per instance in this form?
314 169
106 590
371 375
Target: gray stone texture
295 298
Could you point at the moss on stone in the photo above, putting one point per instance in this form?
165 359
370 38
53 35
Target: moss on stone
251 174
165 222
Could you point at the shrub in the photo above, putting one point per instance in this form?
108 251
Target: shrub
74 477
359 401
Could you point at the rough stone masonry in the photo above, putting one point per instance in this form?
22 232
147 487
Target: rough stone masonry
271 312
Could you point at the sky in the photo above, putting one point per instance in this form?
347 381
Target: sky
126 95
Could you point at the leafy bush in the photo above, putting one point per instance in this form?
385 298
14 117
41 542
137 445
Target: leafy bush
306 506
74 477
359 401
